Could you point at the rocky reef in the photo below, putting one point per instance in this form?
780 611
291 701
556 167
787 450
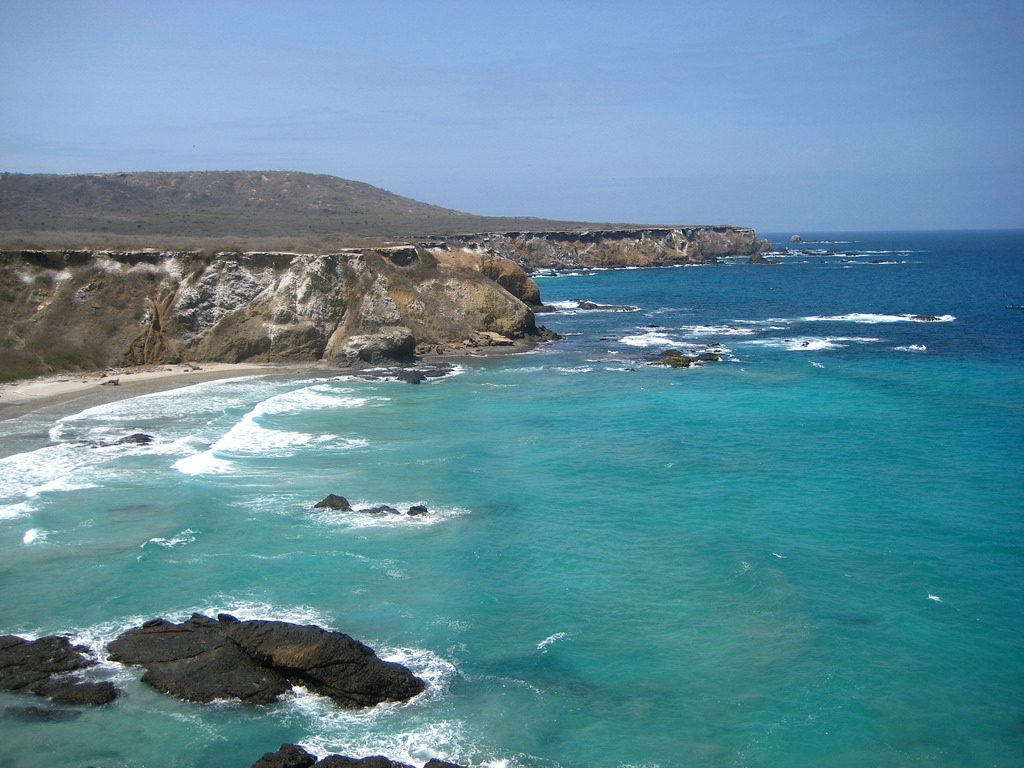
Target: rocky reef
294 756
67 310
633 246
48 667
203 659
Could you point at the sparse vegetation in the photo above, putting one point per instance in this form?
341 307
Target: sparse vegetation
224 210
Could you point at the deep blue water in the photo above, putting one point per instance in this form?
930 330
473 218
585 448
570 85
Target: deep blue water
810 553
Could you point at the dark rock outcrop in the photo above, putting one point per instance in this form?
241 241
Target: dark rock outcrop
45 667
138 438
925 318
293 756
674 358
341 504
380 509
332 501
288 756
373 761
203 659
590 305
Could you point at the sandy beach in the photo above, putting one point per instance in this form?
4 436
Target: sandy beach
96 387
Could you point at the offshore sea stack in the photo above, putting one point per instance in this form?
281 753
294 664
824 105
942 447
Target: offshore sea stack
203 659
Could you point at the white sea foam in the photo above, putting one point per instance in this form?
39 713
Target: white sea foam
359 733
550 640
13 511
912 348
52 469
576 369
204 463
208 397
353 734
59 484
34 536
872 318
649 339
935 598
817 364
812 343
186 536
249 438
356 519
716 330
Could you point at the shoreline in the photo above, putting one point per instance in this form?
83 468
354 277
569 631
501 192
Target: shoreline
91 388
18 398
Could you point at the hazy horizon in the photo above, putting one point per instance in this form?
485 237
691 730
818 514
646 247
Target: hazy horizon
801 117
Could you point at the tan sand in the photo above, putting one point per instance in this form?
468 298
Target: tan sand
94 388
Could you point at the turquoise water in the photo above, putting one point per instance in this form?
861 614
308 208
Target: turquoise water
811 553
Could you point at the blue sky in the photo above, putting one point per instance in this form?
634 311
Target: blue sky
784 116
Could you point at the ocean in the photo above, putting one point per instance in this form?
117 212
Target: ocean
810 553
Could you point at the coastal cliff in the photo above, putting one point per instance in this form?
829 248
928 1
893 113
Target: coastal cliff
100 270
623 247
74 310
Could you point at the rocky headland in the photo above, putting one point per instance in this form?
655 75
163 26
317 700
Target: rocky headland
87 310
130 269
619 247
80 310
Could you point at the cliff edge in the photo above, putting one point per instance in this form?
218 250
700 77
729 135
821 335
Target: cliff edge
68 310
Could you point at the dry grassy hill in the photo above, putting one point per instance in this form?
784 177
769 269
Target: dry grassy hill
270 210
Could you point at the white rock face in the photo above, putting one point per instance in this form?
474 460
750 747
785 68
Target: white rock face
147 307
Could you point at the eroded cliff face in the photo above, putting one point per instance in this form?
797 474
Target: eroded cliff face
639 247
66 310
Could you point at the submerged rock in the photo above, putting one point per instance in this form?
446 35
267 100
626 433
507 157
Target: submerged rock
41 714
203 659
42 667
332 501
293 756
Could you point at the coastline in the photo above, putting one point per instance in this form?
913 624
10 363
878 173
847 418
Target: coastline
18 398
90 388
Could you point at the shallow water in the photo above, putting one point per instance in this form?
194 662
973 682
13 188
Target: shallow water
807 554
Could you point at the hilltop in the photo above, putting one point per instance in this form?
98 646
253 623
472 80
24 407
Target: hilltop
266 210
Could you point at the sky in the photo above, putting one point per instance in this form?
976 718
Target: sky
784 116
